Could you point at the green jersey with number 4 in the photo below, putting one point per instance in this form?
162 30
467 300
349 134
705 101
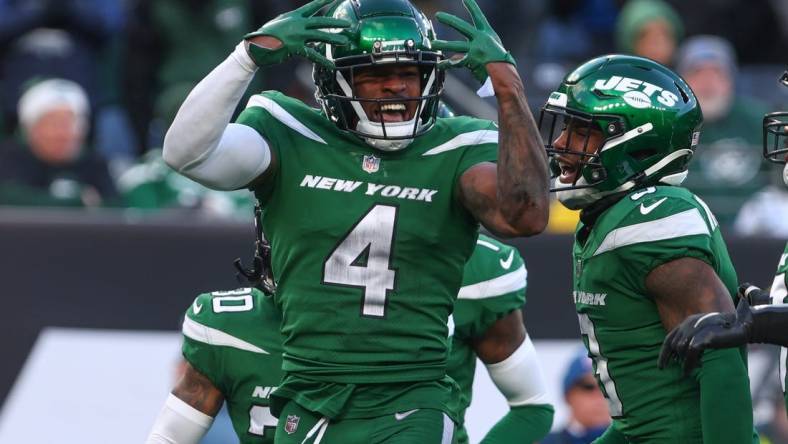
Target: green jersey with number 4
232 337
779 294
368 246
493 285
620 323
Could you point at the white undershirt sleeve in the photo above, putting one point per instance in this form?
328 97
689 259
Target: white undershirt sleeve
203 145
179 423
519 377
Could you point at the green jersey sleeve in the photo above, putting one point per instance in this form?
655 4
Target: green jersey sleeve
659 225
281 120
493 285
197 348
483 140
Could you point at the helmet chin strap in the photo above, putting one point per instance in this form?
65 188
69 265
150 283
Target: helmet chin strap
394 129
577 199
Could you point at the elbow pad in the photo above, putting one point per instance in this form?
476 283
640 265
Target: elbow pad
519 377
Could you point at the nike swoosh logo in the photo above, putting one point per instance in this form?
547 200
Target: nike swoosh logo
403 415
508 262
197 308
647 209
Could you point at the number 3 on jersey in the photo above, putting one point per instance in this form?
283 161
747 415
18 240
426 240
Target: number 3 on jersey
609 386
362 259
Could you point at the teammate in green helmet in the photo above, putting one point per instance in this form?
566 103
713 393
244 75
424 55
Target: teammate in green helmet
647 252
487 324
372 204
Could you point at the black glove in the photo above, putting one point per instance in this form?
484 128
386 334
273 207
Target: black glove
754 295
706 330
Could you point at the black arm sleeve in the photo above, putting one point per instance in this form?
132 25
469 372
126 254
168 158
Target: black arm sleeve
770 325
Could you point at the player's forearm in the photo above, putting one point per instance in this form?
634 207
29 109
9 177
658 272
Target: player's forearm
770 325
523 181
179 423
523 424
206 112
724 382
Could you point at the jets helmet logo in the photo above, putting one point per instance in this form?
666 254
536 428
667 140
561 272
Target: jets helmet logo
637 93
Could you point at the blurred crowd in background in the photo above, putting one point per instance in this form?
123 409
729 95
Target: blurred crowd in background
88 88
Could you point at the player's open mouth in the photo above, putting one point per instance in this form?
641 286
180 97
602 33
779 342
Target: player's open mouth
391 112
569 171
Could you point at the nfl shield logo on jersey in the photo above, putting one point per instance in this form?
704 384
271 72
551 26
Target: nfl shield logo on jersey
292 424
371 164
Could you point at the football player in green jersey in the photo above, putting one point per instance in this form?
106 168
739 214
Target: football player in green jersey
372 204
233 352
226 332
487 323
766 324
647 252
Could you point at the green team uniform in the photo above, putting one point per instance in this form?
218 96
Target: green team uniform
494 281
232 337
493 285
368 249
620 323
779 294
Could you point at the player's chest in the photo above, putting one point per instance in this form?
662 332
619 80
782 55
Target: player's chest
336 191
348 175
603 290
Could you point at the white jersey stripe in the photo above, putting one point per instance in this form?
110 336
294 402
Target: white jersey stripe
686 223
778 291
503 284
202 333
465 139
283 116
489 245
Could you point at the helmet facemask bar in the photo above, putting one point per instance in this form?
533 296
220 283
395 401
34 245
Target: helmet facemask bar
775 136
571 121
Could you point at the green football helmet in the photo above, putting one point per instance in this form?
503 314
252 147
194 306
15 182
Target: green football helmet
775 134
382 32
649 119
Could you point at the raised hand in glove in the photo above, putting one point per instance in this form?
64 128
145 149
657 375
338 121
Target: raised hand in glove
706 330
293 30
482 47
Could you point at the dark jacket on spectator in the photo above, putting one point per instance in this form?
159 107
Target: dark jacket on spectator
27 181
